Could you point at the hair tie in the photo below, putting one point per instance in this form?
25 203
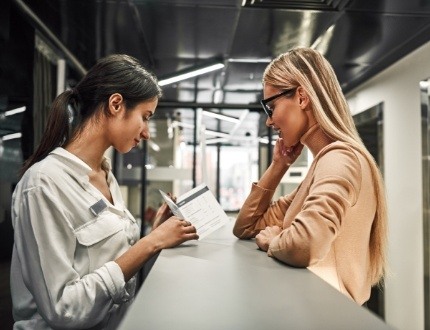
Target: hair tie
74 108
74 95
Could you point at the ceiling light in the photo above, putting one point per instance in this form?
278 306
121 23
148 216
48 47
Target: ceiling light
11 136
265 140
14 111
220 116
217 134
154 146
11 112
250 60
191 72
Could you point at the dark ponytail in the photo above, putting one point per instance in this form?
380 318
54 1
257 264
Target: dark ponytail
56 130
71 110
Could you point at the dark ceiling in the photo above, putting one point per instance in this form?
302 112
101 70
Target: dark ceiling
167 35
358 37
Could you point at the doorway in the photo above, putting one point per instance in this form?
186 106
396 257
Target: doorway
370 126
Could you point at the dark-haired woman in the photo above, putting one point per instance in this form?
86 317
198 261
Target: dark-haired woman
77 249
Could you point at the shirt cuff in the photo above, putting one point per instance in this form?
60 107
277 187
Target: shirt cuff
113 277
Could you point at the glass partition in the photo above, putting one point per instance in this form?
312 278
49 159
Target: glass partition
189 146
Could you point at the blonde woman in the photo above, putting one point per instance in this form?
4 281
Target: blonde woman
335 222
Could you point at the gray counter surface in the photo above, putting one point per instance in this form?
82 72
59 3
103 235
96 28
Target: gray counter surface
223 283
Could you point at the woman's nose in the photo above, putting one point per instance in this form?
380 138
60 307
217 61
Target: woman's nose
145 134
269 121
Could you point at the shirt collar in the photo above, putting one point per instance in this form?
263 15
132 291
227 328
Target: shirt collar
78 164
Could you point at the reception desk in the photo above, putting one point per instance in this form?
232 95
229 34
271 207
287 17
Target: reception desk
223 283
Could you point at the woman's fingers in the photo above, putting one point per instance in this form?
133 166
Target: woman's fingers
188 226
189 230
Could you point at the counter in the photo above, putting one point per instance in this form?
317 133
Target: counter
223 283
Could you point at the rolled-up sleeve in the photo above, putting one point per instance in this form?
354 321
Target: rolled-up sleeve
46 252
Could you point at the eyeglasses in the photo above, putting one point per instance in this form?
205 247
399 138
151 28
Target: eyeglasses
266 108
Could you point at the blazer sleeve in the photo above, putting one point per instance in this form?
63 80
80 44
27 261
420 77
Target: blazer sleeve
259 212
334 189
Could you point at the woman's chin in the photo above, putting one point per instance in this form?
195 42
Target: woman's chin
290 144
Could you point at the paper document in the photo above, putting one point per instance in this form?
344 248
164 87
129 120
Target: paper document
200 207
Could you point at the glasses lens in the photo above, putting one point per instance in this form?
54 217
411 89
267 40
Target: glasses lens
269 111
266 109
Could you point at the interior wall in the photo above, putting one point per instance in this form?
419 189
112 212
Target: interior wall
398 88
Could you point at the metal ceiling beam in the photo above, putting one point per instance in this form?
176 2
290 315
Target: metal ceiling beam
44 30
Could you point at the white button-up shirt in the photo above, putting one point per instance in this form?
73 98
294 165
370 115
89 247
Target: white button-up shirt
62 273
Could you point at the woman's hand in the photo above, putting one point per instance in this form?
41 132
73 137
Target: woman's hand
286 155
170 233
265 236
173 232
163 213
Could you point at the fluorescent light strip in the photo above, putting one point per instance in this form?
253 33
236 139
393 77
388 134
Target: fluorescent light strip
217 140
11 136
14 111
266 140
207 132
217 134
231 138
154 146
220 116
191 74
249 60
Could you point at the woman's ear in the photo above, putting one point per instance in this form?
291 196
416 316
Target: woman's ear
303 98
116 104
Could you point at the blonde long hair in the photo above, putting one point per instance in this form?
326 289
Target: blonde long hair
308 68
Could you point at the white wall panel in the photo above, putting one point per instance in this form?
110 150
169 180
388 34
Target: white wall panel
398 88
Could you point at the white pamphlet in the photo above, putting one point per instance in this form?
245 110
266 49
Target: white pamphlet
200 207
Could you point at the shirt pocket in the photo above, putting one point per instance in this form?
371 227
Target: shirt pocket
98 230
99 242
